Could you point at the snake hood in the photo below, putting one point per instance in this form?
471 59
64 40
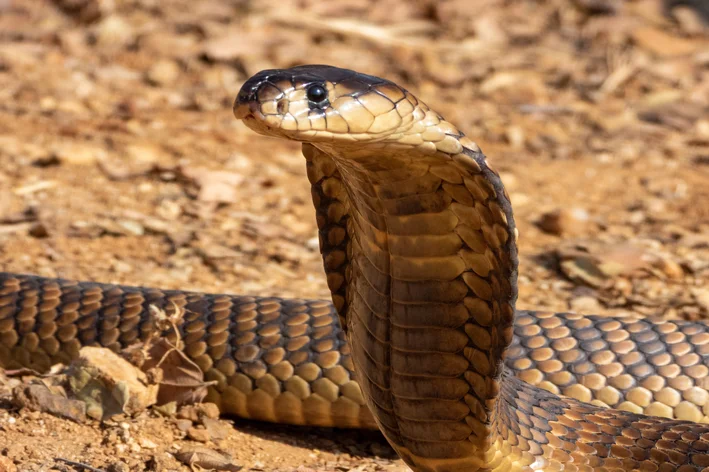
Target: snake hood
418 243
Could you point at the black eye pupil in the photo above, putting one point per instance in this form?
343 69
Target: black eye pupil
316 94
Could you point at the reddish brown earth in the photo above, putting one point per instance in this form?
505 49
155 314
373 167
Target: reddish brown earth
120 161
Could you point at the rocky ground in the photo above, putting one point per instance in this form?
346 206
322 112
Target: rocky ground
120 161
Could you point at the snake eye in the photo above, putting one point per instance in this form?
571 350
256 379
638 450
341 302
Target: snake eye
316 93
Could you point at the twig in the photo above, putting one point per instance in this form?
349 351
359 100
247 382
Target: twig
618 77
377 34
78 464
36 187
546 109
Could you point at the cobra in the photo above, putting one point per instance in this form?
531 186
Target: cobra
419 247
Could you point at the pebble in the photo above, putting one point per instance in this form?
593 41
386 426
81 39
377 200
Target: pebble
215 429
209 410
6 464
76 153
147 443
565 222
38 397
516 138
196 412
163 73
114 32
183 425
188 412
118 467
197 434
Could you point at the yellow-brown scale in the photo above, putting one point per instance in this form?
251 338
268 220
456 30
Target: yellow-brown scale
651 366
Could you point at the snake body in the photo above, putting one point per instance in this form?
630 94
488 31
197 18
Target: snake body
419 247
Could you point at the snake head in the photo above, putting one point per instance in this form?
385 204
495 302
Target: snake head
319 103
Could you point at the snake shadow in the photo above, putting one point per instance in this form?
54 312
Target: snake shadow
355 442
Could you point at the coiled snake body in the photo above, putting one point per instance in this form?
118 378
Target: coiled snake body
418 243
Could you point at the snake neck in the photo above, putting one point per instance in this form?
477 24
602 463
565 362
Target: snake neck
425 289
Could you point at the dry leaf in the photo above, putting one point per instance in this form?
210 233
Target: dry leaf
182 380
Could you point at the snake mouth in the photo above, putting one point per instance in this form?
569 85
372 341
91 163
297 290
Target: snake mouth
250 115
243 110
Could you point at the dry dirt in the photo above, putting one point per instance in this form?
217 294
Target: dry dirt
120 161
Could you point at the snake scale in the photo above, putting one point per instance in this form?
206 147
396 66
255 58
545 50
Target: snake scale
419 247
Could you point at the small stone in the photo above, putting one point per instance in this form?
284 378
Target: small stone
196 434
510 181
302 468
164 72
109 385
142 158
86 11
38 230
703 128
147 443
563 222
79 154
168 409
114 32
209 410
519 199
215 429
6 464
188 412
118 467
515 137
38 397
131 227
596 7
183 425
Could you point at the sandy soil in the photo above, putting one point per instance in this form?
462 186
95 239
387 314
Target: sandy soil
120 161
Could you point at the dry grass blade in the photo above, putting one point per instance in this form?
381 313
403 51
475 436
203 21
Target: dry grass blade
379 35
